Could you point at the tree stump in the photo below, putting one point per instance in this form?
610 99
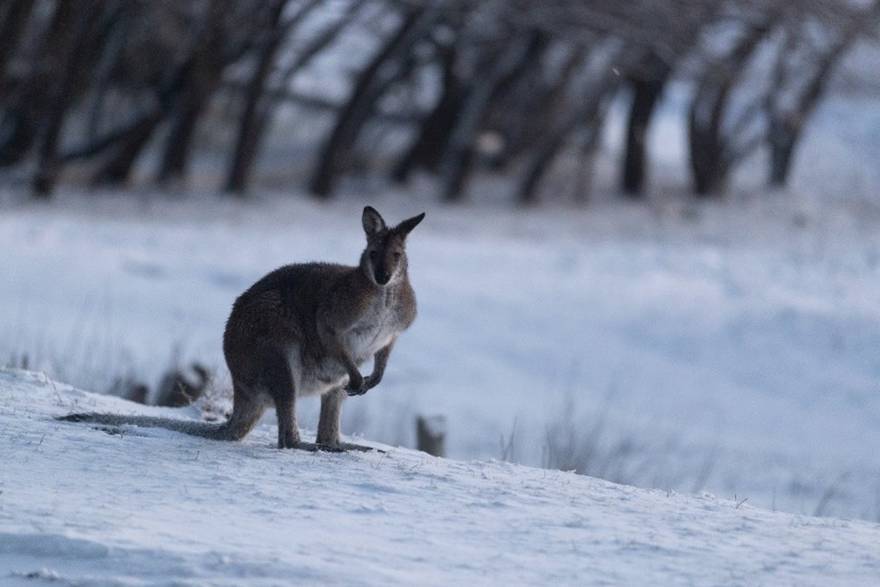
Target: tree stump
431 435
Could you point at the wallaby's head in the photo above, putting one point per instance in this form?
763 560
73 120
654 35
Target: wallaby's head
384 259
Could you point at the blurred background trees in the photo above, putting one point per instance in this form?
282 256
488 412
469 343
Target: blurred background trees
109 92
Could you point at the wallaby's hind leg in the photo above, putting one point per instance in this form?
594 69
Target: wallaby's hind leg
246 412
275 377
328 423
288 433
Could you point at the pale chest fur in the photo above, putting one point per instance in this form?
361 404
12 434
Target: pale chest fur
374 330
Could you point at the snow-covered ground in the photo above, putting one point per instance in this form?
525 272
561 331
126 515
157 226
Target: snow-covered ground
130 506
730 347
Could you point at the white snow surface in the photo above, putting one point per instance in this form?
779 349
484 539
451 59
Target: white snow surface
730 347
81 506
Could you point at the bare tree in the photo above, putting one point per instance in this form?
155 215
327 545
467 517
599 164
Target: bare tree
646 81
101 83
14 15
20 122
802 73
713 152
384 67
589 99
125 145
221 43
81 52
503 65
260 104
158 66
432 135
523 115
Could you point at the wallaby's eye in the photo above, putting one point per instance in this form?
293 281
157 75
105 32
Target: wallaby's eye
396 256
373 255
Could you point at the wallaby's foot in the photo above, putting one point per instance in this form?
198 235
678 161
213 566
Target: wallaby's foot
340 447
329 447
75 418
306 446
337 448
344 447
288 440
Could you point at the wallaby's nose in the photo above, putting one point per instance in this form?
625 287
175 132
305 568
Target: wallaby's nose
382 278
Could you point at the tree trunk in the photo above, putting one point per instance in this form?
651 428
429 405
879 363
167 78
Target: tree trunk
710 152
131 140
112 52
588 115
431 435
782 145
249 128
337 149
527 122
16 15
501 72
21 122
647 88
178 144
255 112
82 50
117 168
305 56
432 137
548 150
208 61
785 128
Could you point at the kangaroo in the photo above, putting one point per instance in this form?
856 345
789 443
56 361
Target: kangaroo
303 330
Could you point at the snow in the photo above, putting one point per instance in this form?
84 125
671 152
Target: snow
728 348
79 505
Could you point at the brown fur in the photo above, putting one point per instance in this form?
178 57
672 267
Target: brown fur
305 330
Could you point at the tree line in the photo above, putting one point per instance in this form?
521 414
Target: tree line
464 85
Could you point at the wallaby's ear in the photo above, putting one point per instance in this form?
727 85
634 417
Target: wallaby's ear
407 225
372 221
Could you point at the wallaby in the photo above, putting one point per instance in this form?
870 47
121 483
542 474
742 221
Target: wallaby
304 330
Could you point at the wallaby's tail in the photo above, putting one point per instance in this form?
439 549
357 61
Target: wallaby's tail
225 431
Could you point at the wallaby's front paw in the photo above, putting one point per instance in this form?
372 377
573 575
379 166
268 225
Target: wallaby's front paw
355 385
368 383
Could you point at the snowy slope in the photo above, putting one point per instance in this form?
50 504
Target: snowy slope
151 507
732 350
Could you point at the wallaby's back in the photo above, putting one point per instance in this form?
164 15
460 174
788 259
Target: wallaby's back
282 306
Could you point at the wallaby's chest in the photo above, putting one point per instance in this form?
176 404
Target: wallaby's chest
373 330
